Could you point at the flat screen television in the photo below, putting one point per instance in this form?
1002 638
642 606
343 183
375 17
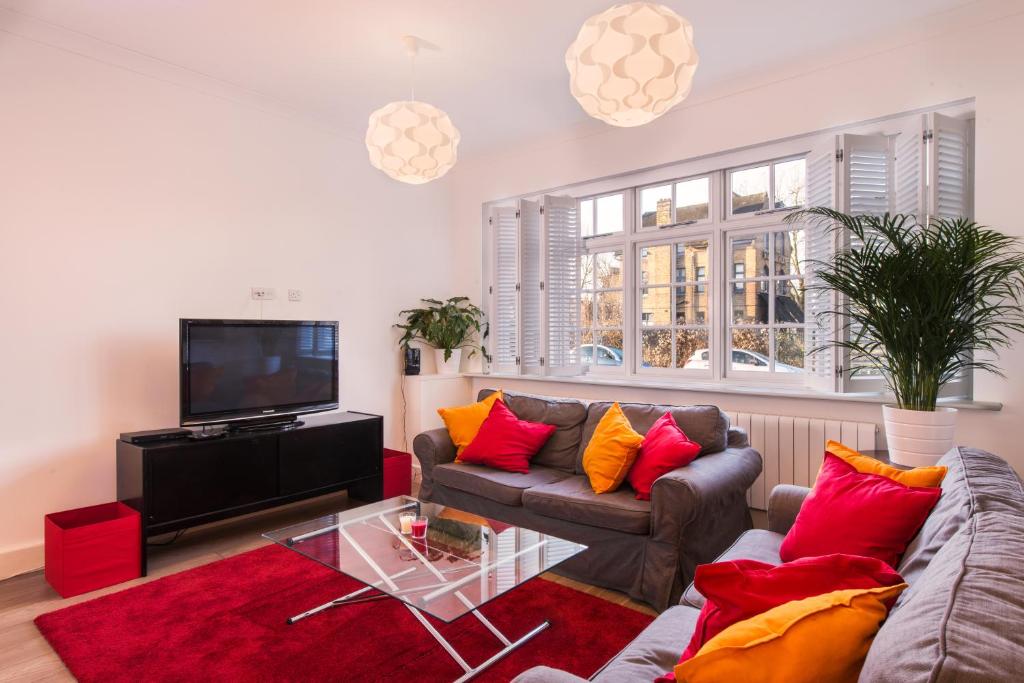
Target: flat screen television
256 371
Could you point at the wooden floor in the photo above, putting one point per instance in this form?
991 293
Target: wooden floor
26 656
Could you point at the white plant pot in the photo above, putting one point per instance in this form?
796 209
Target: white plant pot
918 437
451 367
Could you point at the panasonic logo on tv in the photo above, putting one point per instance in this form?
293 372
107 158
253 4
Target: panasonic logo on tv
268 411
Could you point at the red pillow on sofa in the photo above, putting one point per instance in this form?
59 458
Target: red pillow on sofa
665 448
859 514
505 442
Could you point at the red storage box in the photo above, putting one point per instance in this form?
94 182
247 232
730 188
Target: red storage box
397 473
93 547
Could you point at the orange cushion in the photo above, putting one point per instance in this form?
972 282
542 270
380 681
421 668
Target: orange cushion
822 638
463 422
919 476
611 451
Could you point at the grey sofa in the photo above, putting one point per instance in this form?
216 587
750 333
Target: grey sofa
961 619
646 549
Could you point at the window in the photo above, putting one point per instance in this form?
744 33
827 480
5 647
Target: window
673 302
766 305
682 202
601 308
603 215
774 186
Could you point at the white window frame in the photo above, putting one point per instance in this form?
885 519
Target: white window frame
627 211
593 250
771 212
771 375
638 206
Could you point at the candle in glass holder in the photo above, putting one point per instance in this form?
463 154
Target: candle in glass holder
419 528
406 520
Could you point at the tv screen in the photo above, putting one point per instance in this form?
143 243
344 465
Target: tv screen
244 369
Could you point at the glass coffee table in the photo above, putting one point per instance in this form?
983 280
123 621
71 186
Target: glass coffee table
464 562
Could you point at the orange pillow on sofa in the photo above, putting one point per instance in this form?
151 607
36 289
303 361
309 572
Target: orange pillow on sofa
822 638
611 451
919 476
463 422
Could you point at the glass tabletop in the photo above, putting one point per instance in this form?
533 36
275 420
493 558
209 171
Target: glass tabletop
463 561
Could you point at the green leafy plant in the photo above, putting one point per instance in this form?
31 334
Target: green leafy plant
922 300
448 325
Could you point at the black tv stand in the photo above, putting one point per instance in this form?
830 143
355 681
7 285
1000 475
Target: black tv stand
184 483
278 424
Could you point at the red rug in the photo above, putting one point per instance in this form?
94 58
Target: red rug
226 621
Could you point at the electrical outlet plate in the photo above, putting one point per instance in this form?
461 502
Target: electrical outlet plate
262 293
294 295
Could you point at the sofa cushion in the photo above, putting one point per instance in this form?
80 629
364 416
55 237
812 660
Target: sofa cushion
756 544
707 425
655 651
573 500
497 485
975 479
960 621
567 415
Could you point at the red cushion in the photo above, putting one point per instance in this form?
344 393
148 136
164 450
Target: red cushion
858 514
664 449
505 442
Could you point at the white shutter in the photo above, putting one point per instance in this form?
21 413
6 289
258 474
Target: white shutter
947 167
562 245
504 295
866 188
530 353
909 171
820 363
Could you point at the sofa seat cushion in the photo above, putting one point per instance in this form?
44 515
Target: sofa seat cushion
756 544
573 500
655 651
497 485
566 414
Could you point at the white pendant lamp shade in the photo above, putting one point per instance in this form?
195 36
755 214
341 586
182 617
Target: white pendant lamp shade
632 63
413 142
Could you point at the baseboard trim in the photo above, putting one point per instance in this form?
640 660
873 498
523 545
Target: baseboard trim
20 559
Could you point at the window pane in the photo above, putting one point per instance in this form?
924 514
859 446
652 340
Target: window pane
691 305
789 350
655 303
609 214
609 309
749 256
692 349
656 206
608 265
749 303
656 265
789 301
692 200
749 189
586 271
691 261
790 183
656 348
749 350
789 252
587 217
609 352
587 309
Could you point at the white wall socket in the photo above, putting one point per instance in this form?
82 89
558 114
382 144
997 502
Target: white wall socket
294 295
262 293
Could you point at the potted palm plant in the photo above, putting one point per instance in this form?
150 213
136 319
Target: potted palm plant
449 327
922 304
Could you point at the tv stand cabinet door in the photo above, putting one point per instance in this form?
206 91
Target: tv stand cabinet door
203 478
329 456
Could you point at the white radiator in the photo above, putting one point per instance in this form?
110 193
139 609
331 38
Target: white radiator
793 448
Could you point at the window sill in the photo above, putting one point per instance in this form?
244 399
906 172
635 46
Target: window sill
727 388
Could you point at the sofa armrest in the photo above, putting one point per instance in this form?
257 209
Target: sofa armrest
737 438
545 674
783 505
701 490
432 448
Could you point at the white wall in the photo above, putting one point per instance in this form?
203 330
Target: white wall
128 201
971 53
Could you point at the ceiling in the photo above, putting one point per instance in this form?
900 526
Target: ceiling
500 69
